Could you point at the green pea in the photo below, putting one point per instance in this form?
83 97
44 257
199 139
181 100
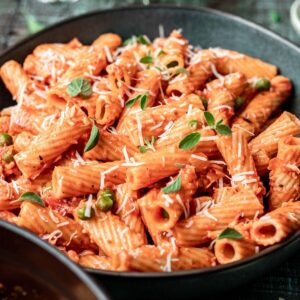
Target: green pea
81 213
5 140
239 101
263 84
8 156
105 200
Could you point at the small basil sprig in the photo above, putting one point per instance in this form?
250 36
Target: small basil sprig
31 197
143 101
146 60
219 127
190 141
80 87
229 233
149 145
175 186
141 39
93 139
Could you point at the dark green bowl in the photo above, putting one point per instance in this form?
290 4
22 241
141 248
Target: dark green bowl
207 28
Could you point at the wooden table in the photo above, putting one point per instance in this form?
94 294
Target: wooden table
283 283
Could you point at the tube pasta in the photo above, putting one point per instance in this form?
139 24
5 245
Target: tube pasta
46 148
230 61
276 225
285 173
44 221
194 230
155 259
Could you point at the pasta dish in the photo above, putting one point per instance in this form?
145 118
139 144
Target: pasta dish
149 156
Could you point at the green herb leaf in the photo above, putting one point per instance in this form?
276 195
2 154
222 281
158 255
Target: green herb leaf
141 39
275 16
146 60
80 87
131 101
223 129
182 70
238 103
161 52
144 101
173 187
263 84
193 124
190 141
209 119
143 149
219 122
31 197
204 102
172 64
230 233
93 140
32 24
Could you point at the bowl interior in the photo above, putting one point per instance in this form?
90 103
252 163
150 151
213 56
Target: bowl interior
202 27
36 270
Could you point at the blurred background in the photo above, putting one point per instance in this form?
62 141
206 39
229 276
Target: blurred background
19 18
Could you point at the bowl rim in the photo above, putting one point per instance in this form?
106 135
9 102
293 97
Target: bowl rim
295 238
98 290
117 8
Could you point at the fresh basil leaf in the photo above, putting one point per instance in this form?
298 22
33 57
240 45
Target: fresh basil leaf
172 64
93 140
146 60
230 233
183 71
209 119
131 101
238 103
193 124
204 102
144 101
80 87
190 141
175 186
223 129
31 197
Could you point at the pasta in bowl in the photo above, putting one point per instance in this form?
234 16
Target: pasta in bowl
149 156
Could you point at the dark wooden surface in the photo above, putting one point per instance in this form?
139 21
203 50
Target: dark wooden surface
284 282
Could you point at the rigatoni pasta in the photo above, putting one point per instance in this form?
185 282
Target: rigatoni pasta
149 156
